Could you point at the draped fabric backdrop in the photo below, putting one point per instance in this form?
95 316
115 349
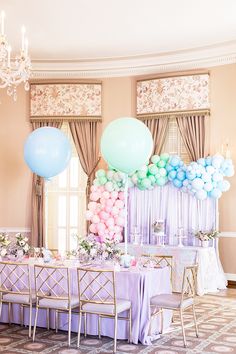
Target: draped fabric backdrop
38 195
176 208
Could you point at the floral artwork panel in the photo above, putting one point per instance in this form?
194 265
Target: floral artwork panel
173 94
61 100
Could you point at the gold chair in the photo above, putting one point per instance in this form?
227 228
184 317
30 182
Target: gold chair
97 295
159 260
53 291
15 288
179 301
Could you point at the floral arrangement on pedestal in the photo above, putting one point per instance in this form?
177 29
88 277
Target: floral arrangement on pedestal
89 249
206 236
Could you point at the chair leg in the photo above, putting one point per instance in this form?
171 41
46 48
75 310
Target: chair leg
182 325
9 313
115 333
21 315
130 325
195 321
99 327
85 324
79 329
161 321
35 322
56 320
48 319
69 327
30 319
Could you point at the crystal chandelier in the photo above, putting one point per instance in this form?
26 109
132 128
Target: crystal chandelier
17 70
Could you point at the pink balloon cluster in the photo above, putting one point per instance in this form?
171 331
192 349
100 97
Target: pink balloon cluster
106 213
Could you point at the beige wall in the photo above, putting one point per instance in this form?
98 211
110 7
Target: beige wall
118 101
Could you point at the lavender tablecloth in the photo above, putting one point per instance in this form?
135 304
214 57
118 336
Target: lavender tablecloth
132 284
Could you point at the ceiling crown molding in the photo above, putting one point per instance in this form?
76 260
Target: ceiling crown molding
197 58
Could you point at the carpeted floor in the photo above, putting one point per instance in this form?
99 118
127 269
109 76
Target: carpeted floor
217 326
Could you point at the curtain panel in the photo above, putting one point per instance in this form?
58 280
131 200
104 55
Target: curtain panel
38 195
158 126
193 131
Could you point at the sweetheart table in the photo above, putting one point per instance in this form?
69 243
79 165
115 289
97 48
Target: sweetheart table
132 284
210 277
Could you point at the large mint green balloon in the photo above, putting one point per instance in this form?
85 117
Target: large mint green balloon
126 144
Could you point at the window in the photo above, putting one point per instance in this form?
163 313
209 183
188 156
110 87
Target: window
66 203
174 144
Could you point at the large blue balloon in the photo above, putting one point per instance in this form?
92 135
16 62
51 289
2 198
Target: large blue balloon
126 144
47 151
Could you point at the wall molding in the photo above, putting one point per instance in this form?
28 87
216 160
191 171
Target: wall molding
230 276
196 58
15 229
225 234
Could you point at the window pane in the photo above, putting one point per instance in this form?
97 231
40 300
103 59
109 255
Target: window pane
74 172
62 210
62 179
61 240
73 211
73 238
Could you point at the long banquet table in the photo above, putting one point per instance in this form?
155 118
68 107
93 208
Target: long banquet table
210 277
131 284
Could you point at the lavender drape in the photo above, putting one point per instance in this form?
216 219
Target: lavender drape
177 208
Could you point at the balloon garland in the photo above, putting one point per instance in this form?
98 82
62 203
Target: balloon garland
203 178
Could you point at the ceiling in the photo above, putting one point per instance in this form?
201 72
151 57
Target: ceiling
93 35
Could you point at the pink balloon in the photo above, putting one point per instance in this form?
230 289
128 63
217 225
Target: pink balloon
108 209
122 213
109 202
120 221
101 226
103 215
94 196
102 238
106 232
101 189
92 206
93 228
119 204
121 196
88 214
106 195
110 222
111 233
114 211
95 219
103 201
94 188
114 194
117 229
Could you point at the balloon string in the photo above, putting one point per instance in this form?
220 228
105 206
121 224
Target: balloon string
126 213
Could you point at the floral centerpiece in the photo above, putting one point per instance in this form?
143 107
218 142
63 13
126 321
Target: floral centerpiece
159 227
4 242
22 242
206 236
89 248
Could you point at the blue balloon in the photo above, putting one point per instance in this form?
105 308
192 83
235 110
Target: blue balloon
47 151
177 183
172 175
174 161
181 175
215 193
208 160
201 161
190 175
197 183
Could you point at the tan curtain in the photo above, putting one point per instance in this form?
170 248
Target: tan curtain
158 128
192 130
86 136
38 197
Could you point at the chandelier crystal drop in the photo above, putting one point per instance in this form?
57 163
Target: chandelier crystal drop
13 71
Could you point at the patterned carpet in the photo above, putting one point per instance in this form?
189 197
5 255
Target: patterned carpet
217 326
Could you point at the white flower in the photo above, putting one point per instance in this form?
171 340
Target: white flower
22 243
93 252
3 252
26 247
82 251
25 239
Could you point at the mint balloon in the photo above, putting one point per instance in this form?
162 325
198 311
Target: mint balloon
126 144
